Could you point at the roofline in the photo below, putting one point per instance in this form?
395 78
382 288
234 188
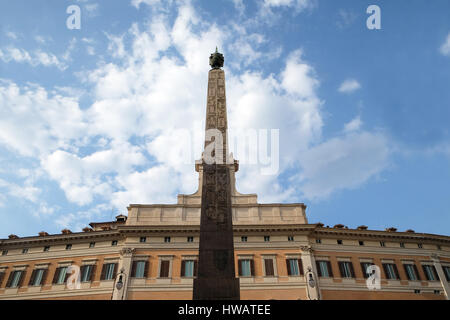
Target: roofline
312 229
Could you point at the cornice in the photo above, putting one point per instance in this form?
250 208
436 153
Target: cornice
234 205
59 238
381 234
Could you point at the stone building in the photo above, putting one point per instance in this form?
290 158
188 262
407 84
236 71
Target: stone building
152 253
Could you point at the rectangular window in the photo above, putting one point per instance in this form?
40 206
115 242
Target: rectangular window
143 239
346 269
419 245
188 268
92 245
339 241
364 268
402 244
390 271
164 269
244 239
46 248
2 276
430 272
268 266
24 251
37 277
69 247
167 239
190 239
294 267
318 241
114 243
245 268
266 238
411 272
139 269
60 276
382 244
15 279
446 272
87 272
361 243
324 269
290 238
109 271
4 252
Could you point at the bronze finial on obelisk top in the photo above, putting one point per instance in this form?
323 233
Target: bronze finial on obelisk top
216 277
216 60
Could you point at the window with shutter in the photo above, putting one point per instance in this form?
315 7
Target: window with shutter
37 278
430 272
245 268
397 274
188 268
330 270
147 264
445 269
364 268
195 268
294 267
94 269
390 271
346 269
56 275
417 272
31 281
109 271
300 266
288 267
410 272
10 278
133 269
252 268
44 277
86 273
324 269
268 265
15 279
139 271
164 269
2 276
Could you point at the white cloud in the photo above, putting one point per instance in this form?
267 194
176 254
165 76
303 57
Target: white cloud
124 147
12 35
353 125
34 59
298 4
34 122
445 48
349 86
26 191
84 178
239 5
342 163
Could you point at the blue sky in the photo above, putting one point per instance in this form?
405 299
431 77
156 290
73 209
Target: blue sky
91 120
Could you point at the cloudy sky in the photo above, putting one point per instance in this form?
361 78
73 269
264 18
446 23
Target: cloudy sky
94 119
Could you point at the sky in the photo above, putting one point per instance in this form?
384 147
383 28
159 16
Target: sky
95 118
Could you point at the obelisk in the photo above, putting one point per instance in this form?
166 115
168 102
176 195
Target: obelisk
216 278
